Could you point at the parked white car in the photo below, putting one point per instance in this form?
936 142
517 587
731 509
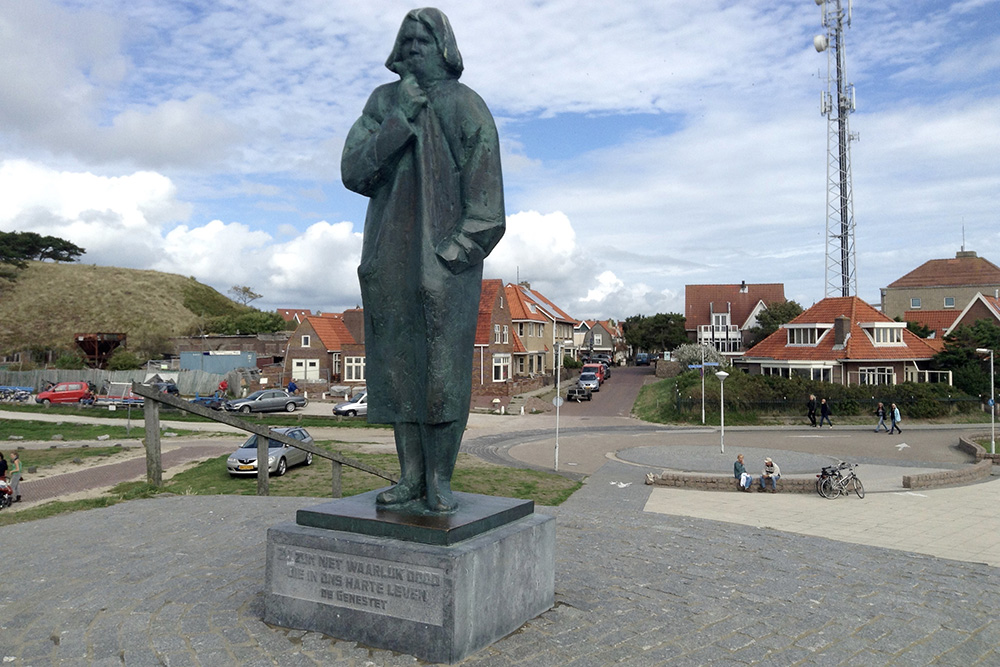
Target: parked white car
358 405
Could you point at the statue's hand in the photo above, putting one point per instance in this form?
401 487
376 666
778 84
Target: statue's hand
411 98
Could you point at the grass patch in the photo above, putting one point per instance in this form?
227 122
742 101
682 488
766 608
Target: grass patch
120 493
52 457
39 430
170 414
471 476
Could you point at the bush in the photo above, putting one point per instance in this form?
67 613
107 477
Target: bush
123 360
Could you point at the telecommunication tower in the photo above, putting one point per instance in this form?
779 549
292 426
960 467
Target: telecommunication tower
836 103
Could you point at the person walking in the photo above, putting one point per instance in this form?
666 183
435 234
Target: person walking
811 405
15 475
880 413
743 478
824 413
894 414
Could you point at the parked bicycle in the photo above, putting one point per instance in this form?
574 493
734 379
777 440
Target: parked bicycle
843 480
826 473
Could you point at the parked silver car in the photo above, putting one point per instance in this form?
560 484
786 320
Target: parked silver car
280 457
356 406
589 381
266 400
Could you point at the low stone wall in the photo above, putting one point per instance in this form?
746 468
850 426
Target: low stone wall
966 475
786 484
973 448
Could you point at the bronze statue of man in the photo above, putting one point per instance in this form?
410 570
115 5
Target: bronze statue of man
425 151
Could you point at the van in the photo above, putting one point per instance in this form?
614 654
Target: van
642 359
65 392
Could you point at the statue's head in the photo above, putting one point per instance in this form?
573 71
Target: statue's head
426 47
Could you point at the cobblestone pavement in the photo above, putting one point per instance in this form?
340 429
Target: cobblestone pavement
177 581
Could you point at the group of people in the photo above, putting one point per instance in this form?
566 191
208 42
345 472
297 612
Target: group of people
770 475
824 411
892 414
14 468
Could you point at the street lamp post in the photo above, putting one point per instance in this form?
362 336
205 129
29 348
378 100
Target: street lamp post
558 400
993 427
722 375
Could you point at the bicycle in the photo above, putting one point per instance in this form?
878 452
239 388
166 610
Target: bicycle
842 482
826 473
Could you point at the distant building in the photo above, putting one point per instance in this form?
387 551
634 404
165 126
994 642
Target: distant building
721 316
941 284
845 341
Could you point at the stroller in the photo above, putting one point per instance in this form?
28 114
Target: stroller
6 493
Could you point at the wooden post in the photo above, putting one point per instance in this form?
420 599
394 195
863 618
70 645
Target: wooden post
337 469
262 465
154 469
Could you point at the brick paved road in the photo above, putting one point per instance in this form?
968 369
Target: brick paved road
177 580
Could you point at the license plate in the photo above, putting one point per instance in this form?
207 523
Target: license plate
247 467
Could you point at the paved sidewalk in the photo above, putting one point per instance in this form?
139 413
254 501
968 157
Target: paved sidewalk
177 581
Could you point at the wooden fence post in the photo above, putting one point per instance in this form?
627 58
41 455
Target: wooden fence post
263 465
337 470
154 467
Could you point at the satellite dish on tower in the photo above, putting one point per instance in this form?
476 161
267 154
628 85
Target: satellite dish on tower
821 42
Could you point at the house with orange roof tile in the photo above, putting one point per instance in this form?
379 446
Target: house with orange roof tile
496 341
542 328
721 316
846 341
982 307
600 337
326 349
294 314
942 284
938 321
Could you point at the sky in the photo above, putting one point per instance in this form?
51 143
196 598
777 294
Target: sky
646 145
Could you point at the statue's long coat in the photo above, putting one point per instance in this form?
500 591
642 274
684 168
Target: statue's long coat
436 211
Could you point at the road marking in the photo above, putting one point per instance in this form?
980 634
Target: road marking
901 446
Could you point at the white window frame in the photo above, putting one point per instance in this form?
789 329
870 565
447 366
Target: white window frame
876 375
306 339
914 303
506 334
501 367
496 334
949 302
354 369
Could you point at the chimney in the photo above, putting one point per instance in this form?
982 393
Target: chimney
841 330
743 287
354 320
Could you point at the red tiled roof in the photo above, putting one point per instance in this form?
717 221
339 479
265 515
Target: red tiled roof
520 298
698 300
938 321
859 346
518 345
332 331
288 314
964 269
487 297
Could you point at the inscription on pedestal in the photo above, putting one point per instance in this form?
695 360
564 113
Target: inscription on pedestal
356 582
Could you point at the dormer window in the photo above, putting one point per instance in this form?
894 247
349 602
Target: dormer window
884 333
808 335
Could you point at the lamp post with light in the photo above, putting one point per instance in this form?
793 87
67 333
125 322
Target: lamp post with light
993 428
722 375
558 400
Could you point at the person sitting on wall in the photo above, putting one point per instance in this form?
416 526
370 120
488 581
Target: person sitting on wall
740 473
772 473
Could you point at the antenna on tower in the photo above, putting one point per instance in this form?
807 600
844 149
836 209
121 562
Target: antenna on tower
836 103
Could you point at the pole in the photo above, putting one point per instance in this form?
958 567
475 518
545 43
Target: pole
555 465
993 409
722 416
702 385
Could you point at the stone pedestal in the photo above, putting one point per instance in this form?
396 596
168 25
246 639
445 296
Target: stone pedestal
438 588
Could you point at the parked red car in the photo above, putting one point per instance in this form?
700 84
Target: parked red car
597 369
65 392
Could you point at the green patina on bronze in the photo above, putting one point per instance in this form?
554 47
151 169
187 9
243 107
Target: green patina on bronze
426 153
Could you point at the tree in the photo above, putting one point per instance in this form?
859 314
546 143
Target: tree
969 371
663 331
250 322
771 319
691 353
18 247
243 294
